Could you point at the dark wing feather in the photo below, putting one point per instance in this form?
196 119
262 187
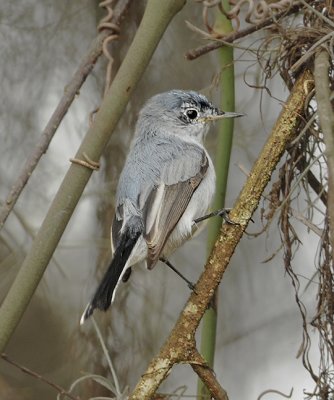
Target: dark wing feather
167 203
116 227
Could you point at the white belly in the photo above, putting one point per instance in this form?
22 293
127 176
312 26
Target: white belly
197 207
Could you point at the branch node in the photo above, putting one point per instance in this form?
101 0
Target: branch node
87 162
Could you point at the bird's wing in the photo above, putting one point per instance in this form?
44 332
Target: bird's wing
116 227
169 198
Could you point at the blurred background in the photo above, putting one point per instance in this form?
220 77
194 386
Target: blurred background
259 331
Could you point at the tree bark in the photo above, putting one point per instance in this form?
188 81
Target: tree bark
180 345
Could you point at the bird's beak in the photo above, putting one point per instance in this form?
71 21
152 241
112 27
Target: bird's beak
221 115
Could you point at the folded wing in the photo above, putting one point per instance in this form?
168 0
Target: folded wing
166 204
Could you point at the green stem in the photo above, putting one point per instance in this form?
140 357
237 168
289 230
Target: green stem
157 17
222 160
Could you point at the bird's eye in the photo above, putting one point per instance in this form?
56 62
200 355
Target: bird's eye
192 113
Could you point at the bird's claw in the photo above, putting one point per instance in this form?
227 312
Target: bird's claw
224 213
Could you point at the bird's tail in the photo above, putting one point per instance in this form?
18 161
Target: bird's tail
104 293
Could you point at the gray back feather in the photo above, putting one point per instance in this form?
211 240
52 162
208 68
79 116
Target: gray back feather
165 149
161 159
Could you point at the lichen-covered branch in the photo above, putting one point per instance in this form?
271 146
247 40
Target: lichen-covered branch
180 344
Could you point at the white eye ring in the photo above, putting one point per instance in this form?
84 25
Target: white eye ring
191 113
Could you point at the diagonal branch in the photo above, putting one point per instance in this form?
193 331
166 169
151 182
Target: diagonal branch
64 393
155 21
70 91
180 343
312 180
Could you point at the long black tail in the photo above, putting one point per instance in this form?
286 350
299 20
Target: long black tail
103 295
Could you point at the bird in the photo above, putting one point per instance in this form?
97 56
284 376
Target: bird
167 182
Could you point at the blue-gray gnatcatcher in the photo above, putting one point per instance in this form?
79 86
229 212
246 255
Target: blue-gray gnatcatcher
167 182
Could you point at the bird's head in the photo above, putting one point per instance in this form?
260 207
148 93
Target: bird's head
178 112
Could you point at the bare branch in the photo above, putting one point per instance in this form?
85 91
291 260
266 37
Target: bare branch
318 188
35 375
70 91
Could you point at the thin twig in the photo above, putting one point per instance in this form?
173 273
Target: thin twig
302 175
106 353
318 187
310 52
70 91
269 391
35 375
199 51
318 14
300 217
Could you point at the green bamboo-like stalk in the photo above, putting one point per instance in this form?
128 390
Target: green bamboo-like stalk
157 17
222 160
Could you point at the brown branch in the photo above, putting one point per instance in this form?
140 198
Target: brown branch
35 375
208 377
314 183
180 343
200 51
70 91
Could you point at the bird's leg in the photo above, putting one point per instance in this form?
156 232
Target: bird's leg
223 212
191 286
